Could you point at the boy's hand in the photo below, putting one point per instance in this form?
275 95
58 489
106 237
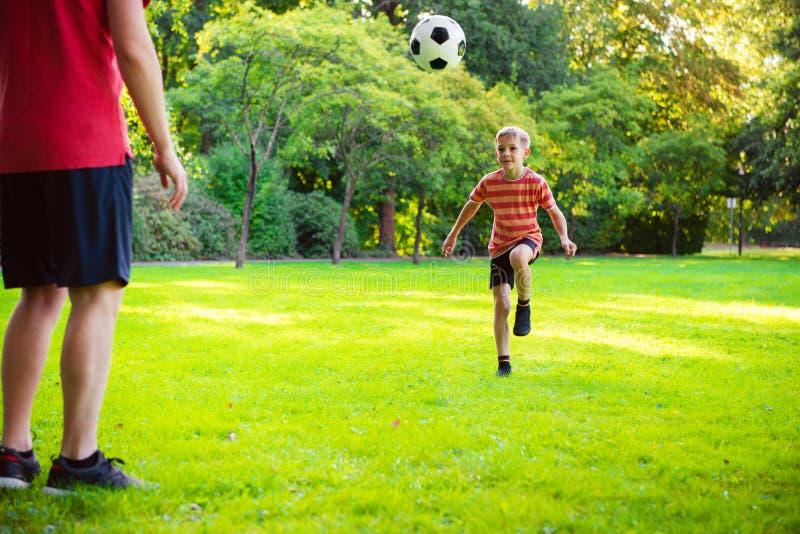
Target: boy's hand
447 246
569 247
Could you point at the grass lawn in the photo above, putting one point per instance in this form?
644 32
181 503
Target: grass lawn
654 395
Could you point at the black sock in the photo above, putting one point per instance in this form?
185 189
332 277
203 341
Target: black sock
86 462
26 454
504 362
525 302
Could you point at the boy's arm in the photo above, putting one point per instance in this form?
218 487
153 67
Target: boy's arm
560 224
141 71
467 212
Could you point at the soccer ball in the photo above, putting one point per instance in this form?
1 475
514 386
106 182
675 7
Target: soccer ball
437 43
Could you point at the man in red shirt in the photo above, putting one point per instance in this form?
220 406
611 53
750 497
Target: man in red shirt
514 193
66 212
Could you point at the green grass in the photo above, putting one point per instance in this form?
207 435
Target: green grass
654 395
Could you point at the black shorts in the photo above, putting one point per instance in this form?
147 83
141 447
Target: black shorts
501 270
69 228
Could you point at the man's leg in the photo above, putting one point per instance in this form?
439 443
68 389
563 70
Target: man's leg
25 348
502 308
85 363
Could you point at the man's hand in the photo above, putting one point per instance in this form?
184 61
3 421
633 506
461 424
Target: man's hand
569 247
170 168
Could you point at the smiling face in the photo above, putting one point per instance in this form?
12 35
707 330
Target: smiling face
511 154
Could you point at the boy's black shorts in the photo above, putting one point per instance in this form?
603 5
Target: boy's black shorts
501 270
70 228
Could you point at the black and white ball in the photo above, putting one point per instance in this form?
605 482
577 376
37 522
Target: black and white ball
437 43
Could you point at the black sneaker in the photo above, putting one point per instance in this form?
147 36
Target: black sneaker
63 479
17 472
503 370
522 321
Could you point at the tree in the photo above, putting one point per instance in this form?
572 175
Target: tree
667 46
682 172
592 127
506 41
365 124
253 70
767 149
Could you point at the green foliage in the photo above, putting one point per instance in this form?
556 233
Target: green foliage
639 69
203 229
159 233
316 220
212 224
273 232
591 129
681 172
651 232
531 41
227 181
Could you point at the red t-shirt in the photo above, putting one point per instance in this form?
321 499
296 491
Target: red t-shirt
59 87
515 204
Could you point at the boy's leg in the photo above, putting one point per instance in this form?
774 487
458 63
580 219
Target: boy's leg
85 364
502 308
25 348
521 257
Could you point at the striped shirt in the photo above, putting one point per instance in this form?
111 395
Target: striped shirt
514 204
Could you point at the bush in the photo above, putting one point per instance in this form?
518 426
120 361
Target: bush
202 229
272 230
652 234
159 234
316 222
212 224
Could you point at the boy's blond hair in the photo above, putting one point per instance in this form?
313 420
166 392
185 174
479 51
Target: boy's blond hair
516 132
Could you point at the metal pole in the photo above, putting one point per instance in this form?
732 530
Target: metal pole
730 249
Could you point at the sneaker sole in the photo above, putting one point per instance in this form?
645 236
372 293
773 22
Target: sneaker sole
57 492
13 483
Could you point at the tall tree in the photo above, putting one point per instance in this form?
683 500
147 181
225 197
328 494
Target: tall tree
592 128
681 171
365 124
506 41
767 150
666 45
253 70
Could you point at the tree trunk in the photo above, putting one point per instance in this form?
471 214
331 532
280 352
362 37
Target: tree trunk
418 224
248 207
675 233
386 239
349 189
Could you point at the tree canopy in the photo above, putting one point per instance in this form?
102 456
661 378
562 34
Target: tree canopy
644 114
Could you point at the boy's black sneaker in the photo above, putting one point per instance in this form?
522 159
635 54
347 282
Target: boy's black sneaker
63 479
17 472
503 368
522 320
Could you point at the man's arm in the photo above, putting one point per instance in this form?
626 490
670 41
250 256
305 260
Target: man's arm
467 212
138 64
560 224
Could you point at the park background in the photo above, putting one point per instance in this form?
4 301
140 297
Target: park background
309 132
658 394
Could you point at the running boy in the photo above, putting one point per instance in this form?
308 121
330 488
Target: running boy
515 193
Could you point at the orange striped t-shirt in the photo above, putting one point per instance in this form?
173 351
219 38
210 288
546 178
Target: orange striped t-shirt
514 204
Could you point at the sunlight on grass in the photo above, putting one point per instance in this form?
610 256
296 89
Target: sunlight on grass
644 345
217 315
654 395
740 311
